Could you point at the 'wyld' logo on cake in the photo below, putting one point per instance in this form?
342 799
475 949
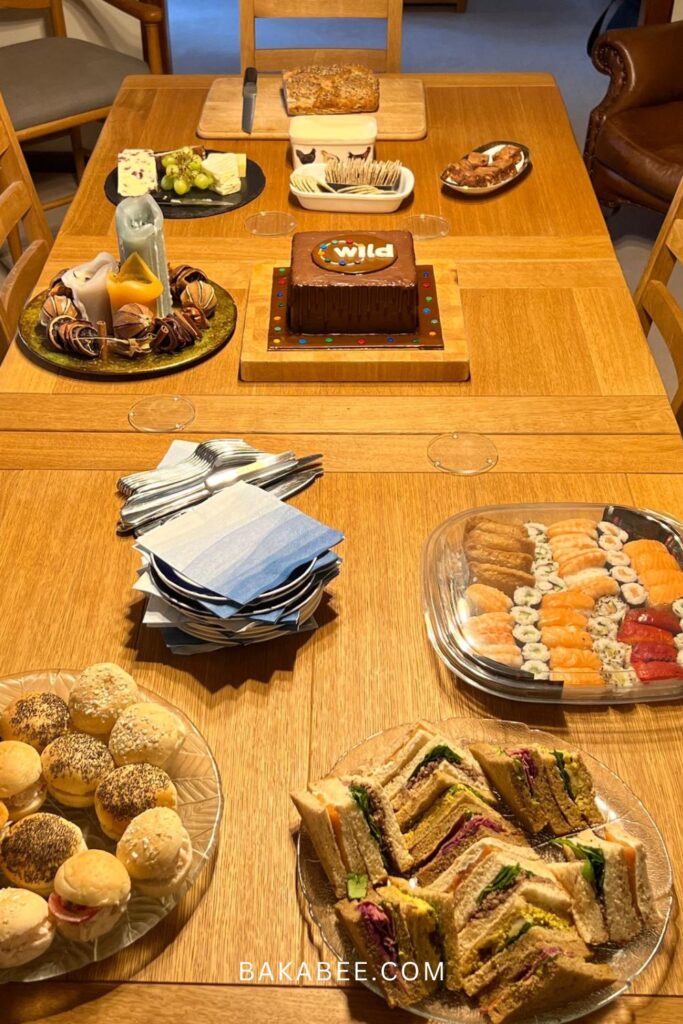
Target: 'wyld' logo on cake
360 254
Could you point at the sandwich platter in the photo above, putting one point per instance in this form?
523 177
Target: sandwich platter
558 603
195 774
614 802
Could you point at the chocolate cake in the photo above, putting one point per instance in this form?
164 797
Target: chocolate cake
355 282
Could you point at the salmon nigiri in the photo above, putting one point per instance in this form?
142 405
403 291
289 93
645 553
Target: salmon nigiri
599 586
566 636
584 560
580 678
571 542
667 593
653 577
562 617
571 657
586 526
506 654
481 623
487 599
576 599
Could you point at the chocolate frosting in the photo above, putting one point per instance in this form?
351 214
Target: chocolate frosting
379 301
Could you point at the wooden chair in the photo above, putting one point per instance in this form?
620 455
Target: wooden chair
55 85
655 303
387 59
20 213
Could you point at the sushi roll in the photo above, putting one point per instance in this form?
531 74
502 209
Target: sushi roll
678 640
608 542
634 594
624 574
538 669
543 553
526 634
528 596
536 531
546 584
524 616
621 678
544 568
677 608
617 558
601 625
611 529
611 608
611 651
537 652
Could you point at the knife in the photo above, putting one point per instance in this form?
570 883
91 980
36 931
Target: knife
249 99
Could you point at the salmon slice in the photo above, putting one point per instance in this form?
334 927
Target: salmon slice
580 678
572 658
666 593
586 526
566 636
506 654
562 617
487 599
576 599
598 586
585 560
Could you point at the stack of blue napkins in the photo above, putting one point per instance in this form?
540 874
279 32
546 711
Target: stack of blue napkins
240 568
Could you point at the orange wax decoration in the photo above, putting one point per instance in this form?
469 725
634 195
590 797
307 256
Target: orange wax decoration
134 282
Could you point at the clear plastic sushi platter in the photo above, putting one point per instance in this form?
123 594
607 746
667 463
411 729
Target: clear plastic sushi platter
559 603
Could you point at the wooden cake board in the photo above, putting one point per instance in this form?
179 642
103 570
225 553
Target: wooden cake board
401 113
258 363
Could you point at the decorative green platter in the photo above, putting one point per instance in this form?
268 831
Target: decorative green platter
33 341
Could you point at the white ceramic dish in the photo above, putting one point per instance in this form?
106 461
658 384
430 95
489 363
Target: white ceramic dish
338 202
523 165
200 805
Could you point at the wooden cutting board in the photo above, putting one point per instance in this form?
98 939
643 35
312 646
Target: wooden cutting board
401 113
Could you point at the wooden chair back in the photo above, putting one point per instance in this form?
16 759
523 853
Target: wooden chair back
54 6
20 215
655 303
386 59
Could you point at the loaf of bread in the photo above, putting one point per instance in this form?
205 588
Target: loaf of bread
332 89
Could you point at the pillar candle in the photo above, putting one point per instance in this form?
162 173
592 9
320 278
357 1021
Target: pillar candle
88 282
140 229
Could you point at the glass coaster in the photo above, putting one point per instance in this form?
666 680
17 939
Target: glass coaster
463 454
426 225
270 222
161 414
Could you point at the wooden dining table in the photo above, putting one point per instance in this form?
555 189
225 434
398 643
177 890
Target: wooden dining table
562 381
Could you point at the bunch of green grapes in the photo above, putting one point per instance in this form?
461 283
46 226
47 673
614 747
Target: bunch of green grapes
183 171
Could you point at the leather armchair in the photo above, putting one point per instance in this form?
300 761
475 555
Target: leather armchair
634 145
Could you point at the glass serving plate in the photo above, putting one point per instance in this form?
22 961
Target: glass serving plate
617 803
446 609
200 805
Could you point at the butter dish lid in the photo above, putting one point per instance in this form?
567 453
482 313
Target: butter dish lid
333 128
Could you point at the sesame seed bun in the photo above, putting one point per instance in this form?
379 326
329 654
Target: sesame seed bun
35 718
99 696
25 927
73 766
128 791
156 850
32 850
22 788
146 733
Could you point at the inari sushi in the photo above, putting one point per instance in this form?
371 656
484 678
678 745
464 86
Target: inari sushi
487 599
566 636
584 560
576 599
562 617
573 658
586 526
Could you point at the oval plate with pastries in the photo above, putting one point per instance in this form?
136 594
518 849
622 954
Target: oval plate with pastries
488 168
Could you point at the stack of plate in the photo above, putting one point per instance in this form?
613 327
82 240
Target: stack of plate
243 567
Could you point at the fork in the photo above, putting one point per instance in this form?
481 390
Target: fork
195 466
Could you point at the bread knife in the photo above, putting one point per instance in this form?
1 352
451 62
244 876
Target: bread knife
249 86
